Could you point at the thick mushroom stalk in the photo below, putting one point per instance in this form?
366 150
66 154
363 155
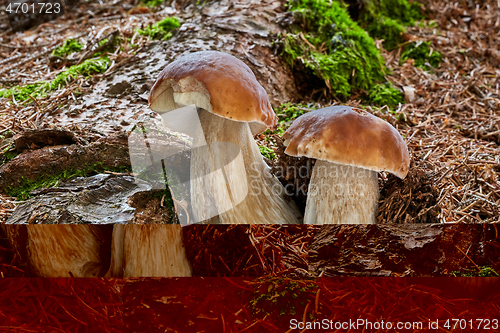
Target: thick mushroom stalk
341 193
230 182
66 250
153 250
350 149
245 192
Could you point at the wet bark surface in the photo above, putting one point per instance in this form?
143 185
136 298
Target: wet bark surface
100 199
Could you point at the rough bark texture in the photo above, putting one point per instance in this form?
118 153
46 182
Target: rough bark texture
36 139
100 199
110 152
403 250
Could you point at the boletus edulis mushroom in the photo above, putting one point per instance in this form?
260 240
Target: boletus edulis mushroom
350 149
232 107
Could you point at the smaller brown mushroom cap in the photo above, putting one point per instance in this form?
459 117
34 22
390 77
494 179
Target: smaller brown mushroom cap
340 135
217 82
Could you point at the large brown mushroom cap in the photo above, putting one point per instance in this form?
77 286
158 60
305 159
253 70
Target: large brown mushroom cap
340 135
231 87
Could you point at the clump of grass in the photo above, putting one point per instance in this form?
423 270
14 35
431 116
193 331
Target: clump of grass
69 46
422 53
332 46
385 94
22 192
161 29
41 89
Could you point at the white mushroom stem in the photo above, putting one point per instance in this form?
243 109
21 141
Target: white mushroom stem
66 250
240 190
153 250
341 194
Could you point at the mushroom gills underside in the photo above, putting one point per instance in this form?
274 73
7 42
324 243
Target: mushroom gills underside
169 100
341 194
239 190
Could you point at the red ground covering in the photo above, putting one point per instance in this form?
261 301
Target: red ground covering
271 305
60 305
247 304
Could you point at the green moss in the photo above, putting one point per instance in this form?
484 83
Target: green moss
107 46
22 93
403 11
421 52
86 68
69 46
332 46
385 94
281 296
161 29
22 192
6 134
290 111
386 19
390 30
427 24
267 152
155 173
484 271
8 154
152 3
102 42
41 89
166 195
286 113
